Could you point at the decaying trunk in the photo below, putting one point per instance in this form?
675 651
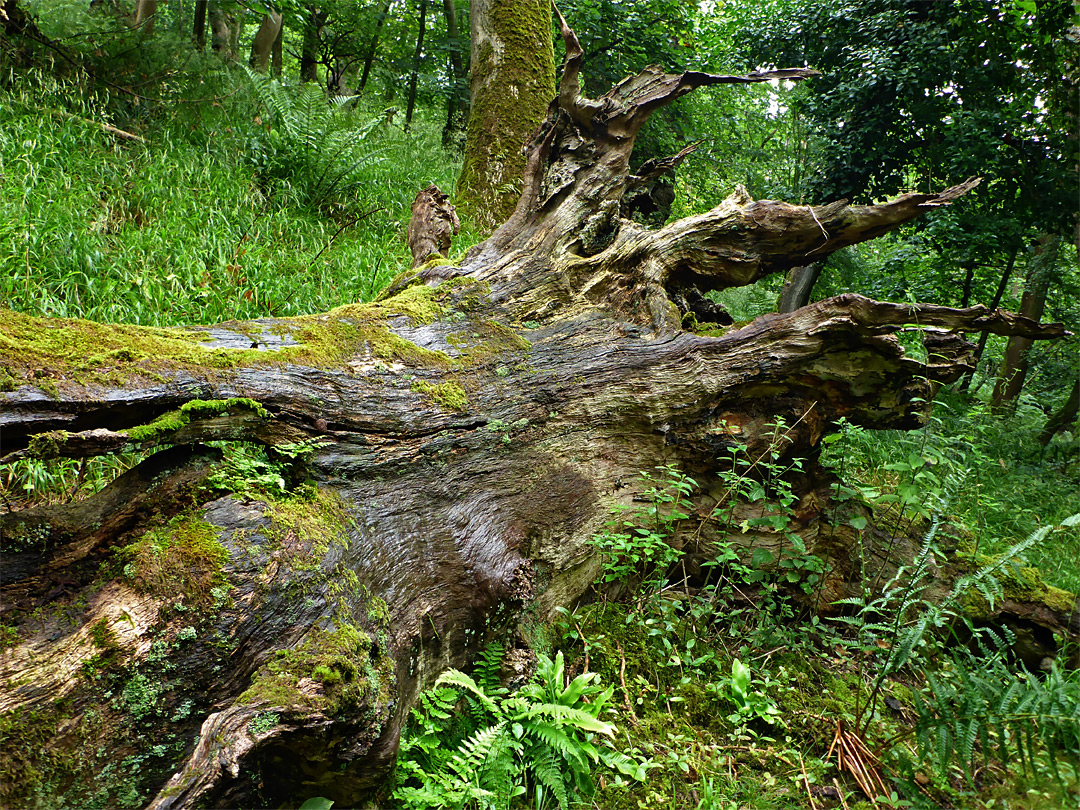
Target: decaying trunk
432 226
438 462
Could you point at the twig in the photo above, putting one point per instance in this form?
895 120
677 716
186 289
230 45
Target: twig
806 783
839 790
622 680
824 232
107 127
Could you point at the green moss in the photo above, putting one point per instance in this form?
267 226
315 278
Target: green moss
182 558
449 394
173 421
1019 583
518 86
9 637
29 763
40 350
316 521
48 444
337 659
485 341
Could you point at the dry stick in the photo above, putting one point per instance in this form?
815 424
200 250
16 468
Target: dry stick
102 124
581 635
806 782
840 792
622 680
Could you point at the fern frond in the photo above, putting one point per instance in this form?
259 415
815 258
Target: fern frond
455 677
562 715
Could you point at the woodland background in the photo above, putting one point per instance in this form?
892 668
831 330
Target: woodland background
163 164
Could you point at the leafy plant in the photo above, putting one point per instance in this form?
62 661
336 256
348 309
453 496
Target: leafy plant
903 627
314 144
637 541
751 701
977 707
540 742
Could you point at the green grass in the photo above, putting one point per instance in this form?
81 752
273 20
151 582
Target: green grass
180 228
999 485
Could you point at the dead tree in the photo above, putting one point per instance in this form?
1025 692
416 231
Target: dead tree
439 460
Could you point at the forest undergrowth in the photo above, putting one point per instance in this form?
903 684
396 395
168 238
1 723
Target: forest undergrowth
722 694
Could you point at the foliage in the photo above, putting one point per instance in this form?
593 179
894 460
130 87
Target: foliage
314 146
176 230
977 707
638 540
540 742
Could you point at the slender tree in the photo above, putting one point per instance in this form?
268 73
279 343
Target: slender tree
369 58
454 101
414 75
1014 367
198 25
263 44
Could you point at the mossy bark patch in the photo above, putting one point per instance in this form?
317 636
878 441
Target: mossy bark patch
332 671
449 395
53 354
183 558
512 83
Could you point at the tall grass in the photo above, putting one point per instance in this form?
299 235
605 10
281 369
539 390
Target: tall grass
1010 485
178 228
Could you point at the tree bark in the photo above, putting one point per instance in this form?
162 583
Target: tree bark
438 461
512 81
432 226
263 44
369 59
199 24
309 49
277 53
798 287
221 33
999 293
454 102
145 11
1014 367
1063 418
414 75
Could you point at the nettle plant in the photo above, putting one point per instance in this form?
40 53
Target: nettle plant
764 481
638 543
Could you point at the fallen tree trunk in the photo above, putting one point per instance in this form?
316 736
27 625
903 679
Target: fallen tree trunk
220 627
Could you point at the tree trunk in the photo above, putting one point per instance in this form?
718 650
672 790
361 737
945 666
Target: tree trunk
263 44
1064 418
199 24
276 53
512 79
454 101
221 33
1015 365
1003 285
145 11
251 631
798 287
309 49
414 76
369 59
432 226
